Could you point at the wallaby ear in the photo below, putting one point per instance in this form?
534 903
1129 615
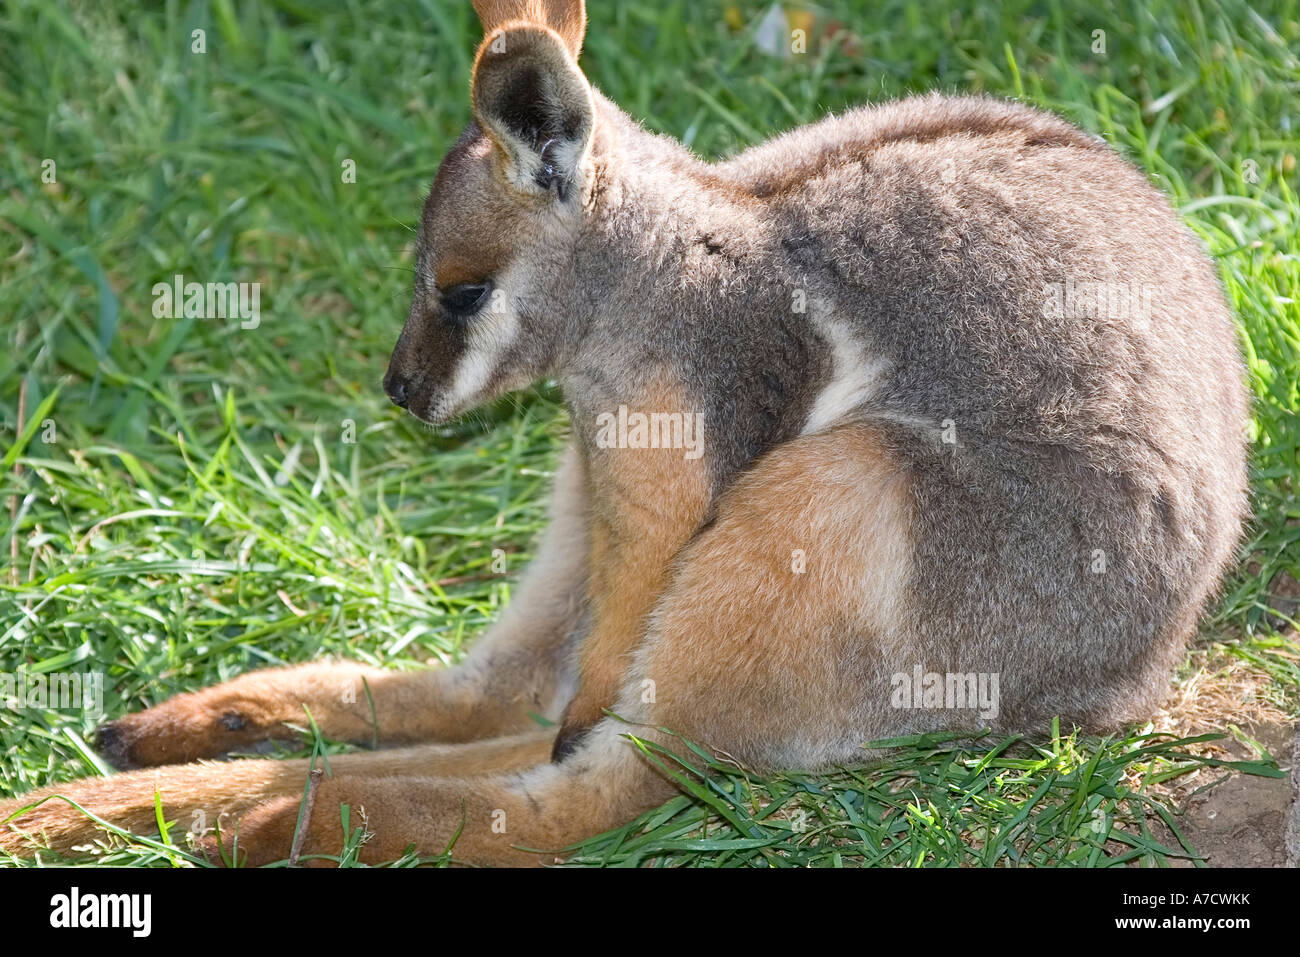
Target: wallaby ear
568 18
532 100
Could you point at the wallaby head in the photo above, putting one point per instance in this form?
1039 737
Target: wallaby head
494 282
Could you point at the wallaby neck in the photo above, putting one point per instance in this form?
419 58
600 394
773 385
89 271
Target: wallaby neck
688 293
670 242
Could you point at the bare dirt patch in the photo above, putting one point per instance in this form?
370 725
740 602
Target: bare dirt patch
1231 818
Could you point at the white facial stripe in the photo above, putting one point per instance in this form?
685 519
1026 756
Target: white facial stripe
490 333
854 379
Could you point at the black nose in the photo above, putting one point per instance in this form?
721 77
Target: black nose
395 386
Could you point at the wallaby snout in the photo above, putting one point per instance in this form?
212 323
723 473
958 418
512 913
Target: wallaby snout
423 364
395 388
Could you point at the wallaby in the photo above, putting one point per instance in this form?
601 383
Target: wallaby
915 396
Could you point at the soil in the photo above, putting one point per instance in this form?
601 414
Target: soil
1241 821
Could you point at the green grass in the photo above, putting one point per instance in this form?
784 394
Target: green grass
191 499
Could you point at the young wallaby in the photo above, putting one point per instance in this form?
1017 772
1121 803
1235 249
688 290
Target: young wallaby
930 415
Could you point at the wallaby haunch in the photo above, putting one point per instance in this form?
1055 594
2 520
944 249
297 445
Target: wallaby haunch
926 397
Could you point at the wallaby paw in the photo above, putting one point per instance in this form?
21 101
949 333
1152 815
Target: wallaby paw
52 821
13 840
203 724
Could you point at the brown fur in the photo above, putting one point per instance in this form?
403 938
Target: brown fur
644 504
568 20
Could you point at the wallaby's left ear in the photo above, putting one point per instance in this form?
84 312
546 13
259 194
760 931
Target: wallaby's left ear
568 18
533 101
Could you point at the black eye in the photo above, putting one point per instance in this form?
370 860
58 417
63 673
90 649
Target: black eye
465 298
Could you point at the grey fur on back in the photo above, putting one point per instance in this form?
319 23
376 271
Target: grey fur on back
1072 533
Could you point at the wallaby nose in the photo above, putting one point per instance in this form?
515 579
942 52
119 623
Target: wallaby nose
395 386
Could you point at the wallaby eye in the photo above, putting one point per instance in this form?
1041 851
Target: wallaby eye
465 298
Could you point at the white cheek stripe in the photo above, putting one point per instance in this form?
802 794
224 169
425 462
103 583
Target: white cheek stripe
854 379
490 335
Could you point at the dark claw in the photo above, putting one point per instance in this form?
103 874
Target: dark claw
113 746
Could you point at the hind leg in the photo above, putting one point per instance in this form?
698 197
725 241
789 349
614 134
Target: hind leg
772 644
781 631
520 667
202 795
